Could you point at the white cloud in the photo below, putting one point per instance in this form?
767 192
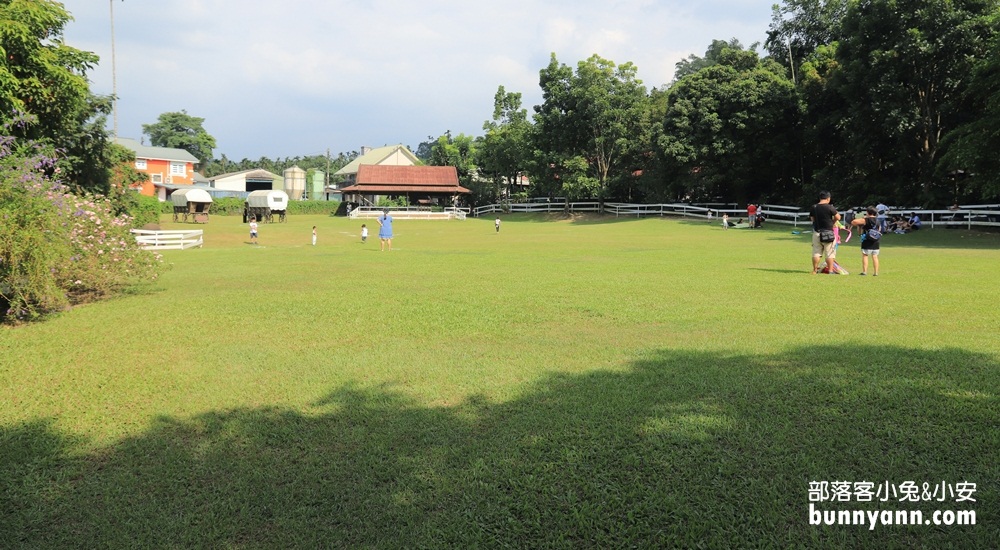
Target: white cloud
380 71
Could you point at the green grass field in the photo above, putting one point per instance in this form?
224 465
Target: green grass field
586 382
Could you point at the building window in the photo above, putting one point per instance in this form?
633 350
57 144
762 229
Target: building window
157 178
178 169
140 164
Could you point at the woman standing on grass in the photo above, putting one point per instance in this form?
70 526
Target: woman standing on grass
385 230
869 244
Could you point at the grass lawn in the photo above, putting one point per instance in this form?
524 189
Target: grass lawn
588 382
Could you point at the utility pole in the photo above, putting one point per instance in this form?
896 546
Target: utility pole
114 75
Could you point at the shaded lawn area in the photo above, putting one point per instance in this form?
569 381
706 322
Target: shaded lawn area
682 449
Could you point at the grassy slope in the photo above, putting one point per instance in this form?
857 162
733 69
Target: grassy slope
565 382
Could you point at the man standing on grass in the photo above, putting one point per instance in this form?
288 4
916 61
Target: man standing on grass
882 216
752 214
823 216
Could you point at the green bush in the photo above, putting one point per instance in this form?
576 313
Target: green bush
313 207
233 206
142 209
57 248
401 202
30 249
228 206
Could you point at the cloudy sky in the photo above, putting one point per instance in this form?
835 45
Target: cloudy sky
296 77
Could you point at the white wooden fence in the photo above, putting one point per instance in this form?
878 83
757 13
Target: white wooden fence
169 240
985 215
408 213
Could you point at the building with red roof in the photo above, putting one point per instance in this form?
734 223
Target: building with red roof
424 185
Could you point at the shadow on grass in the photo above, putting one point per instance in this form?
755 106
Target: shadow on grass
575 218
925 238
775 270
684 449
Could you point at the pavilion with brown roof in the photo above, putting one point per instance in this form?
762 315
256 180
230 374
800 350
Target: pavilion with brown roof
419 184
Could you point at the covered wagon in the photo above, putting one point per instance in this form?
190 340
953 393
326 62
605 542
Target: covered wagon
265 204
191 202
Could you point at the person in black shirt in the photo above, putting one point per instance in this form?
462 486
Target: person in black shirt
823 216
869 245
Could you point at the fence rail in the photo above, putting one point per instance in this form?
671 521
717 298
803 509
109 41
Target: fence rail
408 213
169 239
965 216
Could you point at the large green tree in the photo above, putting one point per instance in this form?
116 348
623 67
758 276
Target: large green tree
181 131
42 76
591 128
506 148
730 131
461 151
971 165
904 69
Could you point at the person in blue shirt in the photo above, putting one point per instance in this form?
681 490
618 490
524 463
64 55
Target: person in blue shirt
385 230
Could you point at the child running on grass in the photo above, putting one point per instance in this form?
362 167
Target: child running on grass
364 232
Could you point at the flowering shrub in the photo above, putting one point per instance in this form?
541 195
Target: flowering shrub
58 248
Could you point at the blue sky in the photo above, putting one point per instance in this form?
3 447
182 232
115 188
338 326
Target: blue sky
296 77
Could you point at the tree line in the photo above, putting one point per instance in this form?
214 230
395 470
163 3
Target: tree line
894 100
875 100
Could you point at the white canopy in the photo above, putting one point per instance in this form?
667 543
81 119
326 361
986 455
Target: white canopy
181 197
274 199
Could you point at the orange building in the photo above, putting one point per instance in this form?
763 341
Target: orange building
166 167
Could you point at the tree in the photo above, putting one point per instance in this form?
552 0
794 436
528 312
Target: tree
693 63
181 131
461 152
506 148
599 114
424 149
43 77
799 27
458 151
904 68
730 131
971 164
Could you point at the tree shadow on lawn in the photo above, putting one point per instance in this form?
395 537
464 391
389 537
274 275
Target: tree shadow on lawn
575 218
684 449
